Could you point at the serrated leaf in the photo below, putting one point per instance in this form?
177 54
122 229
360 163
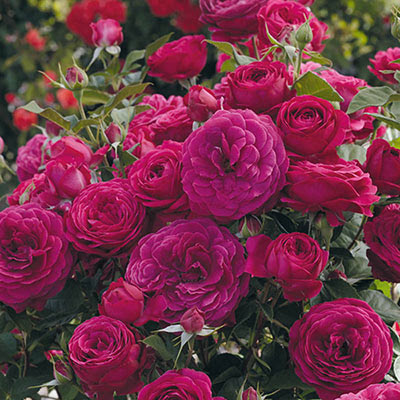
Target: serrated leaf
383 306
313 85
8 346
47 113
131 58
154 46
318 58
223 47
156 343
351 151
228 65
374 96
92 97
387 120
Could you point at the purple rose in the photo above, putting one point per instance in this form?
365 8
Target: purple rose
35 259
191 263
340 346
233 164
379 391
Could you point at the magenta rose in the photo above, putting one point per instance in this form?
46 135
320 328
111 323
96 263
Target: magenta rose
383 67
382 235
329 188
201 103
138 139
107 357
233 164
181 59
284 17
183 384
122 301
32 156
340 346
192 320
191 263
231 20
71 150
156 178
259 86
311 127
106 32
106 219
379 391
250 394
35 258
383 165
294 259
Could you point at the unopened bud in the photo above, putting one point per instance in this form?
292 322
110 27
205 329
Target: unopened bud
76 78
395 28
250 225
52 129
250 394
193 320
304 35
113 133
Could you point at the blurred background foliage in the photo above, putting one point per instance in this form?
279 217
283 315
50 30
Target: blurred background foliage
358 29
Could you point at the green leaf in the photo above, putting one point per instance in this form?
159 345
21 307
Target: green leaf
396 341
374 96
396 368
68 300
154 46
340 252
231 372
241 59
223 47
24 387
387 120
228 65
155 342
285 379
351 151
84 123
383 306
338 288
123 116
47 113
318 58
382 286
91 97
21 320
313 85
8 346
131 58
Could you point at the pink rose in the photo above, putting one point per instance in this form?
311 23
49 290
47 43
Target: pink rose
106 32
381 235
191 263
156 178
201 103
340 346
71 150
106 219
294 259
284 17
113 133
329 188
182 384
311 127
122 301
379 391
107 357
181 59
383 165
259 86
35 258
383 67
233 164
231 20
250 394
67 99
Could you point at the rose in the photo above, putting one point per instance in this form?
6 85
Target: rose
201 103
106 219
294 259
379 391
181 59
106 32
383 66
187 263
107 357
122 301
258 86
71 150
192 320
35 259
138 137
67 99
156 178
233 164
231 20
311 127
340 346
382 236
35 40
113 133
164 8
1 145
23 119
283 17
187 19
32 156
182 384
49 77
329 188
52 129
383 165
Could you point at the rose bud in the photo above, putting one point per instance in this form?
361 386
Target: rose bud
304 35
192 320
52 129
113 133
1 144
250 225
122 301
76 78
106 32
250 394
71 150
201 103
61 371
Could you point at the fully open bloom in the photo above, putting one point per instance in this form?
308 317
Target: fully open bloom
191 263
383 67
107 356
379 391
340 346
35 258
233 164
